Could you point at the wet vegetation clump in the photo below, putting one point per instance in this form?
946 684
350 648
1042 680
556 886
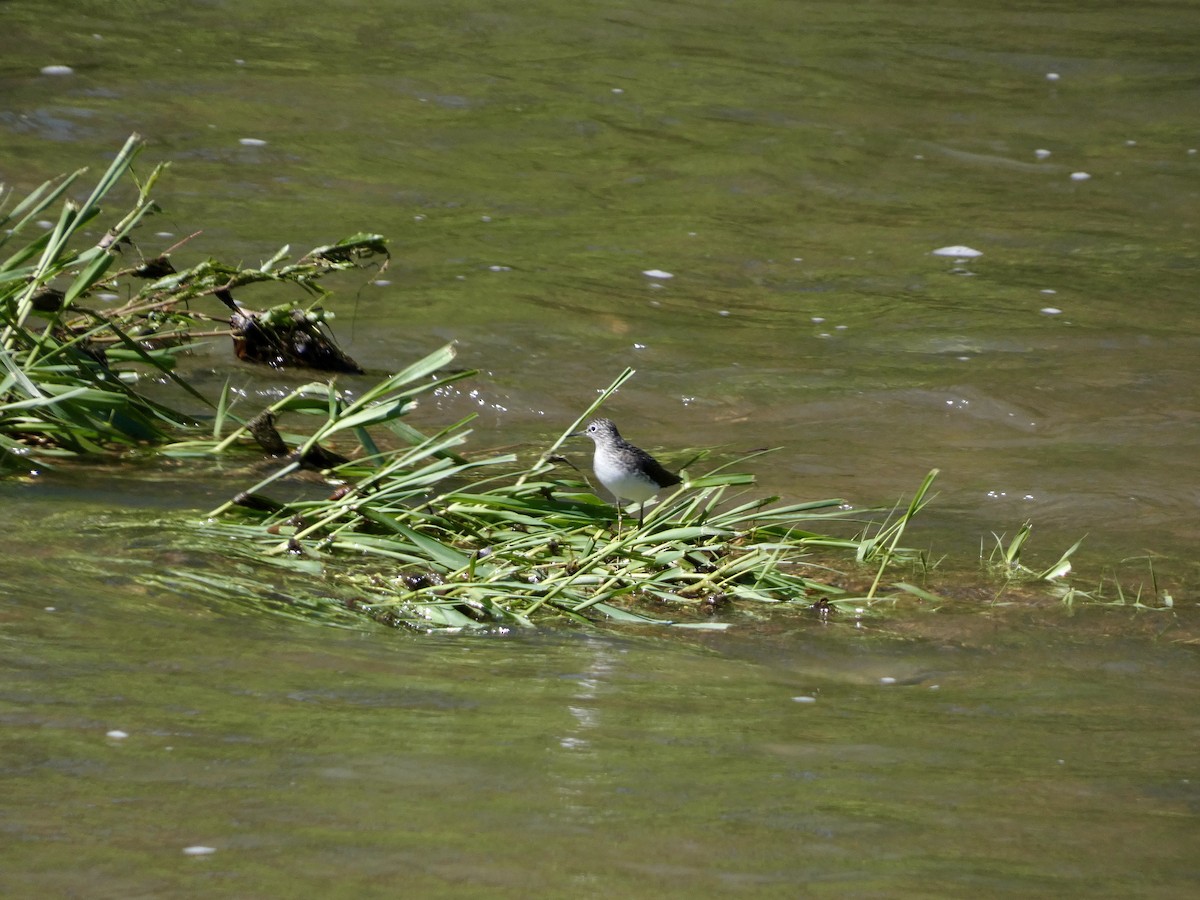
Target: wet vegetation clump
72 355
394 525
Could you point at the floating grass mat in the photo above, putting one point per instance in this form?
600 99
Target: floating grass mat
431 539
510 555
71 358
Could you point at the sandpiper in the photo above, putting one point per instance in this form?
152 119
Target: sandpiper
626 471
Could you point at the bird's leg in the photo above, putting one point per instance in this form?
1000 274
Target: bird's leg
641 513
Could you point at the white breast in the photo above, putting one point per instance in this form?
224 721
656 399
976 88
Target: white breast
622 482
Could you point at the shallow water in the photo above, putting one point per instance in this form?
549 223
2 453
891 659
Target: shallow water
792 166
1015 752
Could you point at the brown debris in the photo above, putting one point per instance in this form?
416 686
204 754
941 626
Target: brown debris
288 341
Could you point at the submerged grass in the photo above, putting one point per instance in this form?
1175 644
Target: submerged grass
1005 559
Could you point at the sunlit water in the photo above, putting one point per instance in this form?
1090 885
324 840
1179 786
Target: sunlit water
792 167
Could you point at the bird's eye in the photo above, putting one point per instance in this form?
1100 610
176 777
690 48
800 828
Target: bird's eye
592 429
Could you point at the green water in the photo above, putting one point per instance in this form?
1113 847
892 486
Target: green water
787 163
1026 754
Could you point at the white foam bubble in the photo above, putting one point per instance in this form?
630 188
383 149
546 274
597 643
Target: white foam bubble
657 273
958 251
